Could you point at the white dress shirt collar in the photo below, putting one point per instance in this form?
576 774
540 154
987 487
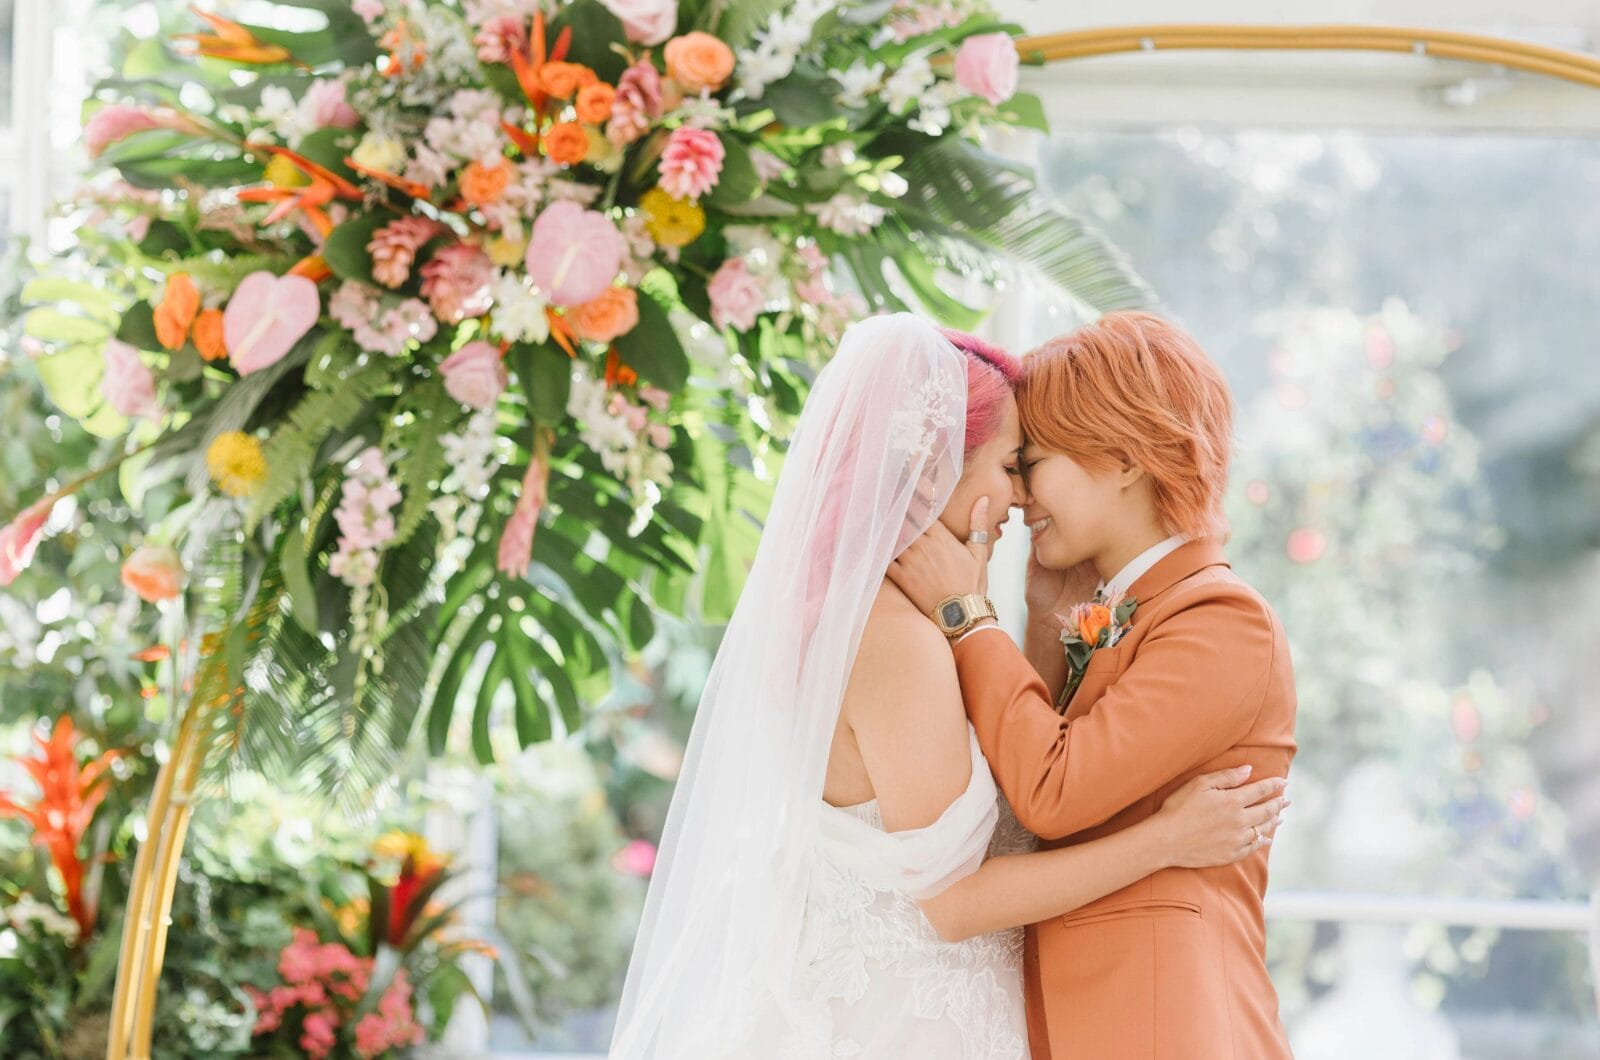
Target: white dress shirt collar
1141 564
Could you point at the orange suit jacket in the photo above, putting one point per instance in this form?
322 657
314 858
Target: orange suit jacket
1173 967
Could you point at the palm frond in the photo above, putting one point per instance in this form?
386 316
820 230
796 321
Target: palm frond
959 192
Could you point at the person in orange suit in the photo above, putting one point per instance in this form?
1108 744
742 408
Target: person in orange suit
1175 667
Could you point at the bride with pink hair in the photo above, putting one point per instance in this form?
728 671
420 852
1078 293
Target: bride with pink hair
839 875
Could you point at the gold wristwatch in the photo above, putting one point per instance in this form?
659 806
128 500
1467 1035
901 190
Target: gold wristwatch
957 614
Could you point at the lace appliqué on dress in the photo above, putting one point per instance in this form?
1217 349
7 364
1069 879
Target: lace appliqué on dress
872 964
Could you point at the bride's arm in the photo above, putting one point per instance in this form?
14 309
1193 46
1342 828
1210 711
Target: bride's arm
1206 822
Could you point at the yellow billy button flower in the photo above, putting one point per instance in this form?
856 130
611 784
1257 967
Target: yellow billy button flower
671 222
236 463
282 173
506 253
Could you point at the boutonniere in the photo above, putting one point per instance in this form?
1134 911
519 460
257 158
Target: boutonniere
1095 624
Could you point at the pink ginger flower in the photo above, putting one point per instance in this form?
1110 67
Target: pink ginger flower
456 283
691 162
516 540
326 102
394 247
113 123
20 537
636 104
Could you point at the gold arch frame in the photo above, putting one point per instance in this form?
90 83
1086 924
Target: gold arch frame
1576 67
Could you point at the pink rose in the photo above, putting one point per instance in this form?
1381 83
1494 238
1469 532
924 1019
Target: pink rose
986 65
474 375
691 163
736 296
154 572
574 254
19 538
127 384
645 21
328 107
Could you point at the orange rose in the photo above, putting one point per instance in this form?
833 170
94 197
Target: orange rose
615 312
482 185
176 310
566 142
208 335
1093 620
561 80
699 61
594 102
154 572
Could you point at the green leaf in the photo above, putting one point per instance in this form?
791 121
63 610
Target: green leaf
652 348
85 296
52 325
292 561
1024 110
138 327
482 745
740 20
738 182
345 249
72 379
546 376
532 716
799 100
593 30
328 147
958 191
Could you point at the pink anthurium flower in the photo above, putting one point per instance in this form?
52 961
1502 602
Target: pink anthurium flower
266 316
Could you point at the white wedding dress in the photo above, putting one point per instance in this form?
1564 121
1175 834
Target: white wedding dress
879 980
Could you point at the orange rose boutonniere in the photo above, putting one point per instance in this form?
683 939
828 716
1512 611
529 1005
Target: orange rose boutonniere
1099 623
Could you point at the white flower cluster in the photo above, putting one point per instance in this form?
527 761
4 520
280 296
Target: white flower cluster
848 213
629 444
473 454
470 127
28 912
777 47
519 310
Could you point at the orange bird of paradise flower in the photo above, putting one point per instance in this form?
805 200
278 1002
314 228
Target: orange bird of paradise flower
325 186
526 63
68 796
232 42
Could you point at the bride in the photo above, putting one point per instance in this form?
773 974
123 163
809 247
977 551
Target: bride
838 875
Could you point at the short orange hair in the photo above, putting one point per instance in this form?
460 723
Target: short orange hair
1135 387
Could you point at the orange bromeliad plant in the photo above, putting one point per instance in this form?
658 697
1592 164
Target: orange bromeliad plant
69 793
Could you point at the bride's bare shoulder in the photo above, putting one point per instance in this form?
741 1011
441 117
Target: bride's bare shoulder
895 626
903 660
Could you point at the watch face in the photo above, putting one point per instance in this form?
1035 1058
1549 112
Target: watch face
953 614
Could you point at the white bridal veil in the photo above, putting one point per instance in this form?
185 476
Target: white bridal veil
873 461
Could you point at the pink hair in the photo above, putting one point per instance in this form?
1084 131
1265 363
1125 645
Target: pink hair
992 376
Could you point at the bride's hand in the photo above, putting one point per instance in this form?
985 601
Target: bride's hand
1211 820
938 565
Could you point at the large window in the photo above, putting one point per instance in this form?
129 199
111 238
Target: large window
1407 321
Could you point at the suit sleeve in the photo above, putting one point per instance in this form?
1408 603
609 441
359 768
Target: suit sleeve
1192 691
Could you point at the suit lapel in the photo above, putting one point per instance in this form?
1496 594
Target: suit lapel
1184 561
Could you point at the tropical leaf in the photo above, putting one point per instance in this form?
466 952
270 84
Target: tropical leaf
959 191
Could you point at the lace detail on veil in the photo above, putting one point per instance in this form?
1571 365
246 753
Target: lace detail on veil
916 427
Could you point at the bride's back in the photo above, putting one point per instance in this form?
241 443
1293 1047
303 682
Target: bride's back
902 736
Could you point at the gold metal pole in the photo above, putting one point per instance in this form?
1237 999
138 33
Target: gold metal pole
1571 66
